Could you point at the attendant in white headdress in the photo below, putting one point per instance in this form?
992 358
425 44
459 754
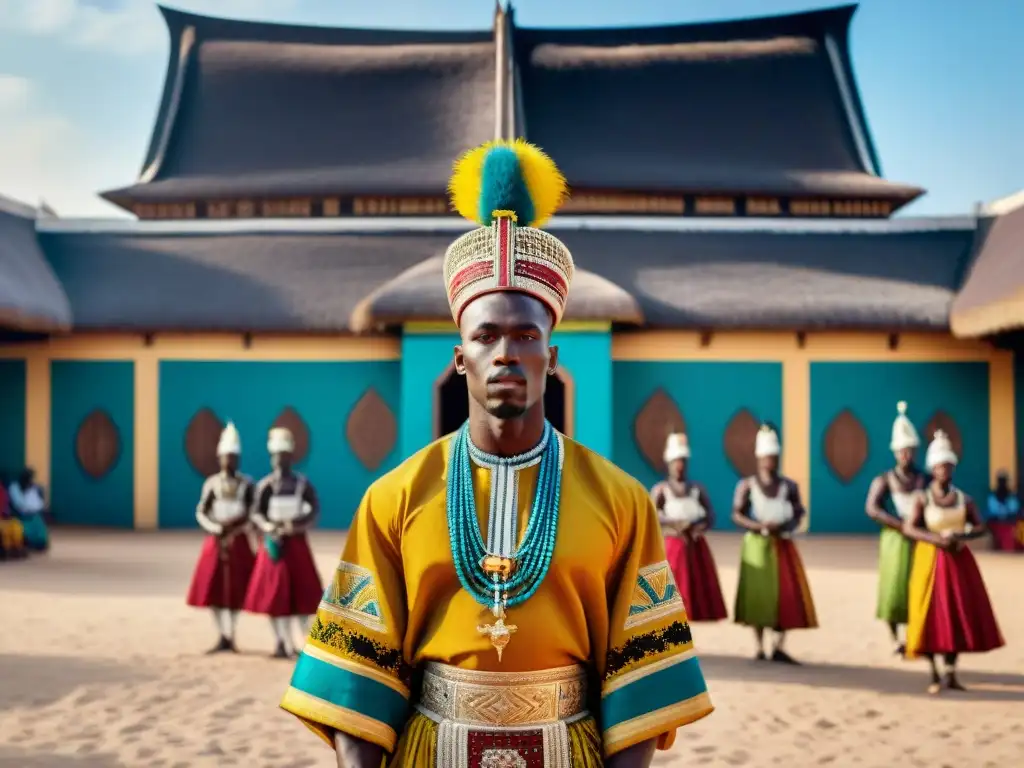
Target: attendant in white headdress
949 610
221 577
773 592
285 584
685 513
890 503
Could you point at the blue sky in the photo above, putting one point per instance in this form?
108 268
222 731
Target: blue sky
941 80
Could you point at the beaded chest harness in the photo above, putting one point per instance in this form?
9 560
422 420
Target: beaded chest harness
499 574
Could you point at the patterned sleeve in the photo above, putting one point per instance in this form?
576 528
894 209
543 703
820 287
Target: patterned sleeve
652 682
352 676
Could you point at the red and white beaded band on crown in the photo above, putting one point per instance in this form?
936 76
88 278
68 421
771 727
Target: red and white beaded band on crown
507 257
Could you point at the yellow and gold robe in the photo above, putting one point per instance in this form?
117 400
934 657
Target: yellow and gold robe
608 602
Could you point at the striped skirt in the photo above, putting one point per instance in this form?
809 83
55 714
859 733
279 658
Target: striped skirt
773 592
949 609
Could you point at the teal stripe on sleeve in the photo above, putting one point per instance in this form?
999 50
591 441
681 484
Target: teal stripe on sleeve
672 685
350 690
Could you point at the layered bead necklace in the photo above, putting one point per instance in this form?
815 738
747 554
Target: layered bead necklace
499 574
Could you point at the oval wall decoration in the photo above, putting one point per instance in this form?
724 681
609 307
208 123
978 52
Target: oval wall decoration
846 446
942 420
656 419
371 429
201 438
290 419
738 442
97 444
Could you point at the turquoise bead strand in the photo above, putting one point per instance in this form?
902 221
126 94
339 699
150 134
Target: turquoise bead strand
534 554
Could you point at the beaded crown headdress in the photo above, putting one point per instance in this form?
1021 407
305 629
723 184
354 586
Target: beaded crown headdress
509 188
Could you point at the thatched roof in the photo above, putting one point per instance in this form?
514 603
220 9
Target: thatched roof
227 282
765 105
761 105
885 278
266 110
418 294
309 276
992 298
31 297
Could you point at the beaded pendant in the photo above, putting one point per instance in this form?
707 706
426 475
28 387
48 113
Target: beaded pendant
500 581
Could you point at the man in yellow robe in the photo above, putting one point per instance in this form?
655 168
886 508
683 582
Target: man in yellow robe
503 599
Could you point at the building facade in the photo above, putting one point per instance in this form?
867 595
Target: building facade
737 258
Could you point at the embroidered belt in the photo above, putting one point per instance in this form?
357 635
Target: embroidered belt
503 719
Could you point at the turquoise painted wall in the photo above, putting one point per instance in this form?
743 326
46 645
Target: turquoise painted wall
77 389
425 356
12 417
871 391
586 355
252 394
708 394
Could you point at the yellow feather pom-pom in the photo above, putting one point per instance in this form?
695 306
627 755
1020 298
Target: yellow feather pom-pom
465 183
545 184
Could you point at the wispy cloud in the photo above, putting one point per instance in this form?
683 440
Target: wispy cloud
120 27
14 93
40 152
35 145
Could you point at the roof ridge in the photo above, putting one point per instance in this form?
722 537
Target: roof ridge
454 225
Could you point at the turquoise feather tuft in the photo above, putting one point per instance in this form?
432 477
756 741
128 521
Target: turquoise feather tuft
503 186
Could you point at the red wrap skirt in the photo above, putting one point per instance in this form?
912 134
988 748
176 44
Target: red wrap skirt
949 610
1005 536
221 578
289 586
696 575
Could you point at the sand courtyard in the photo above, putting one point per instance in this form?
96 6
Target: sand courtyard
102 666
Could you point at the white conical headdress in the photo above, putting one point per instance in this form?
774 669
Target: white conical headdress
280 440
230 441
903 433
767 443
940 451
676 447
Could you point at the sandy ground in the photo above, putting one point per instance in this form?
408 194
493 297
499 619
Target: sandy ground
101 665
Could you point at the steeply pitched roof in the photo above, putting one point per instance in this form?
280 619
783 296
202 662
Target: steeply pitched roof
992 298
764 105
31 298
755 105
273 110
227 282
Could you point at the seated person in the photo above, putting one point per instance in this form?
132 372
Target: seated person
28 503
1003 514
12 535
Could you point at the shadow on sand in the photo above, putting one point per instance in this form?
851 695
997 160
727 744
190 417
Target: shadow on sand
37 681
982 686
18 758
